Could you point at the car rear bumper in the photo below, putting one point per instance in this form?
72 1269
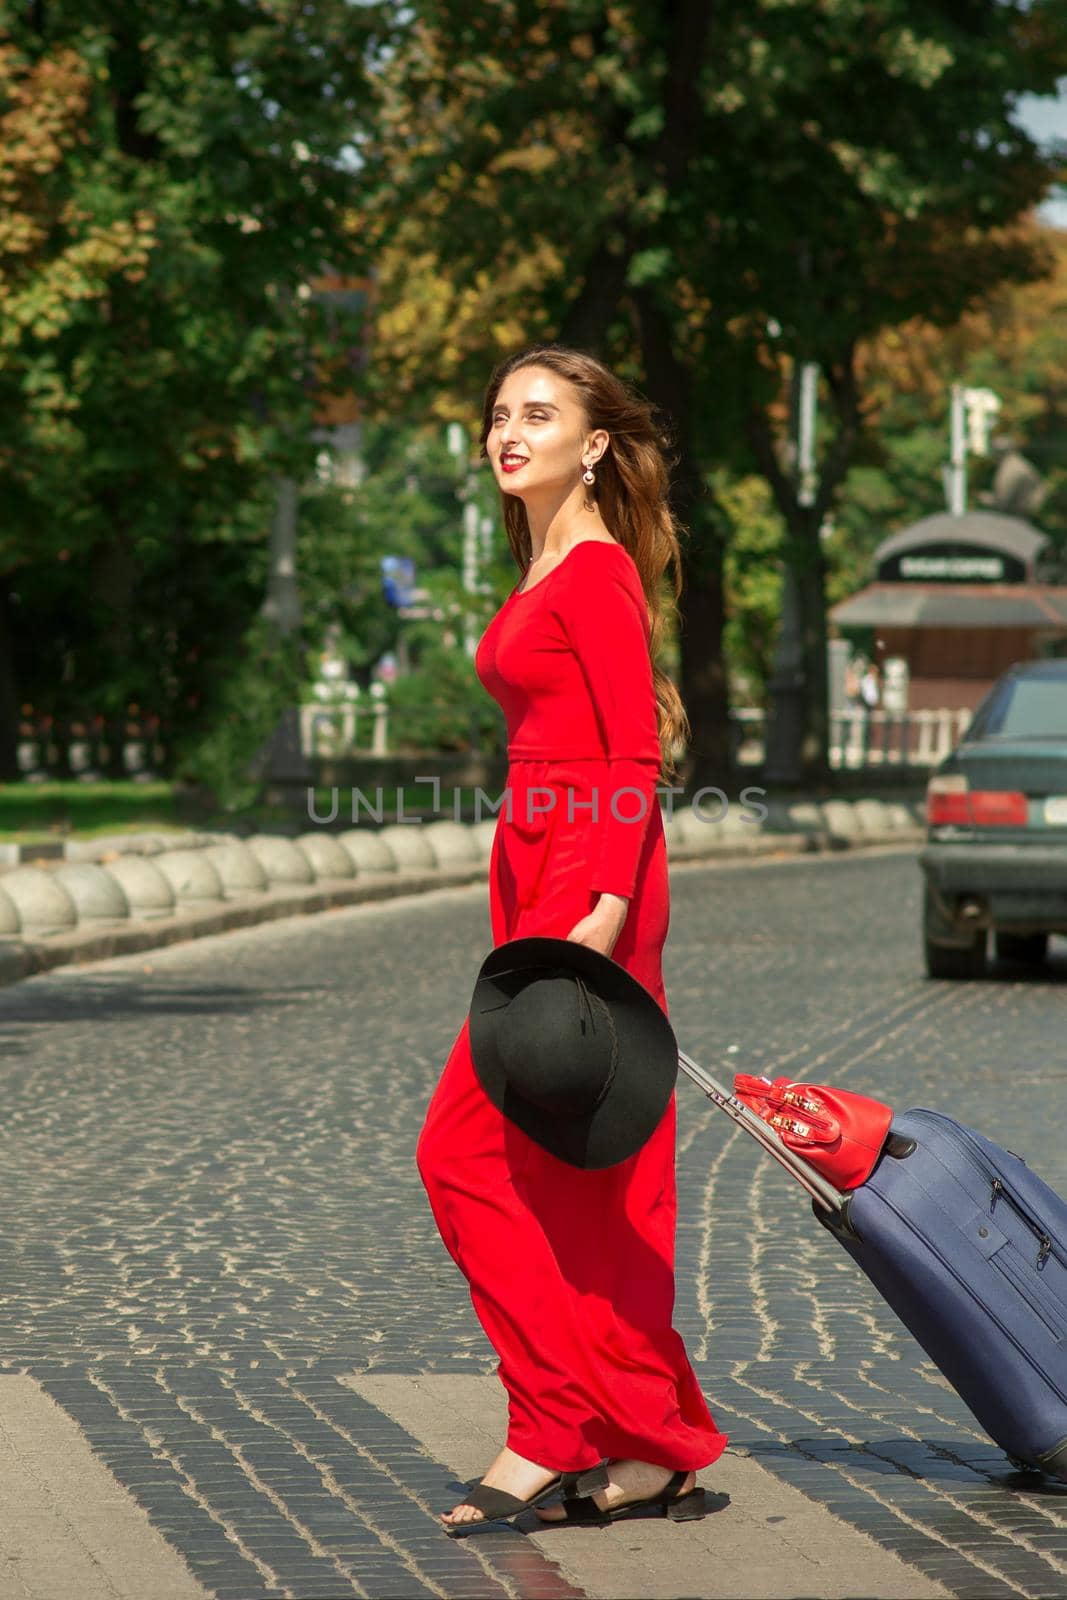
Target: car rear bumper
1022 886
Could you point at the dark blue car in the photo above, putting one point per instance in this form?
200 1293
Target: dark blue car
996 812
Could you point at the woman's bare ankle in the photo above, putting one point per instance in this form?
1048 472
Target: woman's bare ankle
628 1479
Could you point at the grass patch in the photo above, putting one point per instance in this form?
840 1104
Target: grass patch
34 812
30 812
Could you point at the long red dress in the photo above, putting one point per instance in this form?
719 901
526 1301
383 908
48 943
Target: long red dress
571 1272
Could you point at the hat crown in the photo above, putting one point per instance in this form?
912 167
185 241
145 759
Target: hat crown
585 1063
558 1045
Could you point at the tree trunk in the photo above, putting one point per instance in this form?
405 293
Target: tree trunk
589 315
701 615
811 589
9 700
113 576
805 554
128 81
701 607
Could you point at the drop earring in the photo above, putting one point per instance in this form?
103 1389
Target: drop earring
588 476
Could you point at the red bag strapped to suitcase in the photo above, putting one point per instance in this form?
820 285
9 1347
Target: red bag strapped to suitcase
839 1133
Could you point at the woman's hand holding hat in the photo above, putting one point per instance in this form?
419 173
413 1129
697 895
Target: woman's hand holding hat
601 928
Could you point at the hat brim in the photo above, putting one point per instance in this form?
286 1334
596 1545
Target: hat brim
646 1068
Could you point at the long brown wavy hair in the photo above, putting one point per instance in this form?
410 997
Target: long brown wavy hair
632 478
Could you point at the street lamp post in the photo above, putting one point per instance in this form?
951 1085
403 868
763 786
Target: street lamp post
971 415
788 685
477 532
281 606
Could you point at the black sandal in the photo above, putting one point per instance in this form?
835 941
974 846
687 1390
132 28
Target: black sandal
580 1507
496 1505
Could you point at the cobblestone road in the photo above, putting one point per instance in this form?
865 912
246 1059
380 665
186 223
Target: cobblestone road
211 1214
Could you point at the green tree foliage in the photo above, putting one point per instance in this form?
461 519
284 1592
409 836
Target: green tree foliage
178 177
705 196
1015 343
753 583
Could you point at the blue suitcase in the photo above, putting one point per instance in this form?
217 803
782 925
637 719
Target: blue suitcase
969 1248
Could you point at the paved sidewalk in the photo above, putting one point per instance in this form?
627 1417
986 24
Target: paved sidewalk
70 1531
764 1540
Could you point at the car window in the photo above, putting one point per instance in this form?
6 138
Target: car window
1023 708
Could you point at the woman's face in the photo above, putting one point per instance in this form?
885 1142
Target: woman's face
539 438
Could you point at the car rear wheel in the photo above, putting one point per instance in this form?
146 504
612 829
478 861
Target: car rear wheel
950 960
1031 948
944 961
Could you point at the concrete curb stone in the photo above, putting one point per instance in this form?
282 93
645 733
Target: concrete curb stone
190 874
43 905
451 841
482 833
841 820
72 947
327 858
15 961
806 815
239 868
140 844
147 891
92 899
283 861
98 896
703 834
408 843
10 921
368 852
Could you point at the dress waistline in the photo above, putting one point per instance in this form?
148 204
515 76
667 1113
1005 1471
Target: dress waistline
555 755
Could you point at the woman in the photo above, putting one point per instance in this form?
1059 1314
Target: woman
571 1271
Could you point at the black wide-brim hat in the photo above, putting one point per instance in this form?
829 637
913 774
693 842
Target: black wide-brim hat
572 1048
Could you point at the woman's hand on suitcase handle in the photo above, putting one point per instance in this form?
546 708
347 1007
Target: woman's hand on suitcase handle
601 928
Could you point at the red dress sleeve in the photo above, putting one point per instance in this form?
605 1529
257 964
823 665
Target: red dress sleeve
606 622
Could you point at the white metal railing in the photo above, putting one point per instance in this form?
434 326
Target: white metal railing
885 738
861 738
335 722
343 720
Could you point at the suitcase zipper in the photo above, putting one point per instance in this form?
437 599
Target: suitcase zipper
1025 1351
1017 1272
998 1187
1017 1278
1043 1239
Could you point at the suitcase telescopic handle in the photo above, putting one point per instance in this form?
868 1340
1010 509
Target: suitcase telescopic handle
824 1194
